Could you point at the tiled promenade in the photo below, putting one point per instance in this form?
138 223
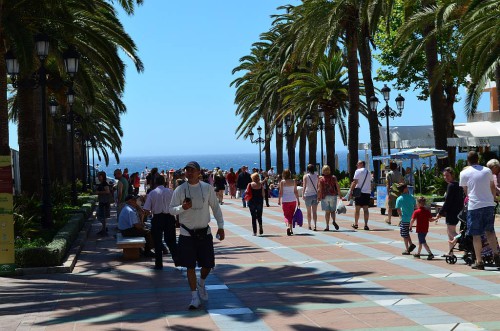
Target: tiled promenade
340 280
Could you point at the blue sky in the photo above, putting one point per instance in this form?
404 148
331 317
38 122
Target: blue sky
182 104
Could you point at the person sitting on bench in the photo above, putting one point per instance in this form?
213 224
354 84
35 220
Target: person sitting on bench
130 225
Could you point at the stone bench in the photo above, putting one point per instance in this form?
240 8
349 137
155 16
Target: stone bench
131 246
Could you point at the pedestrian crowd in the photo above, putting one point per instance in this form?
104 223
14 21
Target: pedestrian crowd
185 199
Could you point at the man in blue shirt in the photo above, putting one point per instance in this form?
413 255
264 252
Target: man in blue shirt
130 225
405 205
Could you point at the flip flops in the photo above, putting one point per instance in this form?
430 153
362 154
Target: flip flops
354 226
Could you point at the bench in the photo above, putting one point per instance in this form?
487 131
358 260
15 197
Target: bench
131 246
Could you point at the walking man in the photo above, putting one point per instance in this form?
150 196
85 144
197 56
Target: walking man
163 223
243 180
362 181
477 182
191 201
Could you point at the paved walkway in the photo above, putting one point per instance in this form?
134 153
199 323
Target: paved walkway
337 280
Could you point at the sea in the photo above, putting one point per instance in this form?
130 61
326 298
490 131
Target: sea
227 161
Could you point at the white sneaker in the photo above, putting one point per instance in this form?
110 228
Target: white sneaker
195 303
202 291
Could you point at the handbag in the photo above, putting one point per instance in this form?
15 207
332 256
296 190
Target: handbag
357 190
298 218
248 193
238 194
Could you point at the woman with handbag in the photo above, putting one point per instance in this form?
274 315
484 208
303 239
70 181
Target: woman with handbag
288 199
328 193
453 204
310 195
255 196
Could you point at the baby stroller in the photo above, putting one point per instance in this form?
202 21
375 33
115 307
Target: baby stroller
465 244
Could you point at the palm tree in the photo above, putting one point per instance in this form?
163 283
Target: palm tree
321 25
97 34
326 88
479 53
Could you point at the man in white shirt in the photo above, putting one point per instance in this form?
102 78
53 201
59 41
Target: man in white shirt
192 201
477 182
163 223
361 180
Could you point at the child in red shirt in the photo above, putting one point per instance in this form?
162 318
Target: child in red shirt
422 216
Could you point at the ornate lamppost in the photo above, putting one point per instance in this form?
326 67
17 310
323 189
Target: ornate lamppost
259 141
388 111
42 50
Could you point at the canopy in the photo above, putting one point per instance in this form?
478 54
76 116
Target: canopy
415 153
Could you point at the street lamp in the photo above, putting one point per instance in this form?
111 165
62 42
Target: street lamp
88 112
388 111
71 59
258 141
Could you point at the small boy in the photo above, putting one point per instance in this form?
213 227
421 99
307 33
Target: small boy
405 205
422 216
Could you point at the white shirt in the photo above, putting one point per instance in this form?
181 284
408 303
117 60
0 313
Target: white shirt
310 181
198 216
360 175
477 180
158 200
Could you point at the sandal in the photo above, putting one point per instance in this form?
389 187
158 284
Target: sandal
354 226
310 228
366 228
430 256
388 222
405 253
417 256
314 229
336 226
327 229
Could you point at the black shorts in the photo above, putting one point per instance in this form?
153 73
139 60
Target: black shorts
451 219
363 200
192 251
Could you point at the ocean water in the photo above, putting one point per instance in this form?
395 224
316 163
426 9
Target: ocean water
226 161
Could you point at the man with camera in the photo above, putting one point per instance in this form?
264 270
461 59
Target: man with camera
192 201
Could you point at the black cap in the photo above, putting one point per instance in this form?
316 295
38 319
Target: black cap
193 164
131 197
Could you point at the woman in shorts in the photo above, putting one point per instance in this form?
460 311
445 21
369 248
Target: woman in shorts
310 194
328 192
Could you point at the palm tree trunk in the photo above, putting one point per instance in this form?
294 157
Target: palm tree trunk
497 79
279 153
353 117
436 92
302 151
267 145
313 146
366 69
4 112
29 137
290 144
330 146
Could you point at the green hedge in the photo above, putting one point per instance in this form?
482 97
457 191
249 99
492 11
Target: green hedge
53 253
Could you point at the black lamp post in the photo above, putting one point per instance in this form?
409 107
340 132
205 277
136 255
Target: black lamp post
71 59
88 111
258 141
388 111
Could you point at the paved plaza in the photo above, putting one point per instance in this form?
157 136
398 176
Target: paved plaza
337 280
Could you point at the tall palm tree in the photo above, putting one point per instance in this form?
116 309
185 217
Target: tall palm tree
322 25
327 87
97 33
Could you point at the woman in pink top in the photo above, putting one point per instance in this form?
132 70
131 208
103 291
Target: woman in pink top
288 199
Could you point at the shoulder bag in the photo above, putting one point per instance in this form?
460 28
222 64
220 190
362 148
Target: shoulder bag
357 190
248 193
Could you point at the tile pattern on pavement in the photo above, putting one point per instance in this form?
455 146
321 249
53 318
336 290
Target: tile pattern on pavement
337 280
